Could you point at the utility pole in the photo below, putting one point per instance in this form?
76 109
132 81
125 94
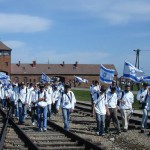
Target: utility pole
137 64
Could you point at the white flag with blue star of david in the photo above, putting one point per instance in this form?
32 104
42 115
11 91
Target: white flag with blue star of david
106 75
79 79
132 73
45 78
146 79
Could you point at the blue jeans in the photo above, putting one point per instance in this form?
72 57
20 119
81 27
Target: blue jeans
100 119
33 113
12 107
42 117
4 103
17 110
66 117
144 118
22 111
49 106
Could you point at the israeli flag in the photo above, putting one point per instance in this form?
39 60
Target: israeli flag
106 75
146 79
45 78
132 73
79 80
5 79
3 76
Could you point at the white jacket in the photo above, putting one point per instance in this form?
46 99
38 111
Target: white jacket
100 104
68 100
129 99
24 96
141 94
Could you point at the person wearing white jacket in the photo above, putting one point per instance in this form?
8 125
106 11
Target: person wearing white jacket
112 100
125 104
16 91
13 97
67 104
22 103
8 94
3 96
49 92
142 95
56 97
100 108
33 100
42 109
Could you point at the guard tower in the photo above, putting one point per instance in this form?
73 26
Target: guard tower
5 59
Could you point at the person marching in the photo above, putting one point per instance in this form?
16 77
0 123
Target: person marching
112 106
56 97
91 93
33 98
142 98
125 104
42 110
100 108
13 97
49 92
22 102
118 90
67 104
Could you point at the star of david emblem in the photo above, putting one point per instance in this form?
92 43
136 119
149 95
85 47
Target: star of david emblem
104 74
132 71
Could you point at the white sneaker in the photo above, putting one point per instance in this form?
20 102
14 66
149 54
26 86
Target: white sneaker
97 133
44 129
33 123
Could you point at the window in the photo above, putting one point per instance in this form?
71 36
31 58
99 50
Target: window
25 79
34 80
6 53
30 80
6 63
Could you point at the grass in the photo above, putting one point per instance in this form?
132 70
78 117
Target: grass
82 95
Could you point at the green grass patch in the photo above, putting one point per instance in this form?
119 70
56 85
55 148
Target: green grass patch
83 95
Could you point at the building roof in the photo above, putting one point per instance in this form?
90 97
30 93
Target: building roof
59 69
4 47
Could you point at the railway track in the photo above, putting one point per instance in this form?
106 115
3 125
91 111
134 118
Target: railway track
134 122
26 136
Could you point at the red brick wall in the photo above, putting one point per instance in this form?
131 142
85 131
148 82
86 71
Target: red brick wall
68 79
3 64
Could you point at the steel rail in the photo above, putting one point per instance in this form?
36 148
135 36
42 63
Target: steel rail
22 134
75 137
4 129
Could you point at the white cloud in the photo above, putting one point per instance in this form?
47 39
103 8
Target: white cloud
116 13
15 44
14 23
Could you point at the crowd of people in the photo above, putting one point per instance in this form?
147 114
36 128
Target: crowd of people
43 100
106 102
40 99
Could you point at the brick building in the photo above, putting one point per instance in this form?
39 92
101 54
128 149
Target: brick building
32 72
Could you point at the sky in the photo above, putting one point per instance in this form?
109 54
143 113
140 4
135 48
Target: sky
87 31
